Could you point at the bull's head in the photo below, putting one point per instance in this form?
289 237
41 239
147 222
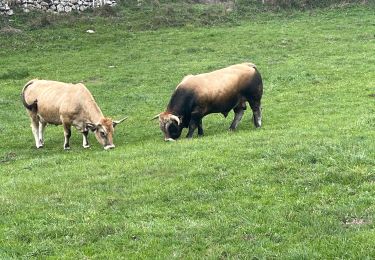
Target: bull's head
104 131
170 125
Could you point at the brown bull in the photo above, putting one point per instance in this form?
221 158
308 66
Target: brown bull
216 92
58 103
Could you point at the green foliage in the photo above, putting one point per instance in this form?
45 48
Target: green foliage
296 4
19 73
301 187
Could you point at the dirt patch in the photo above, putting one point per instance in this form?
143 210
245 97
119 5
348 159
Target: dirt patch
355 221
10 30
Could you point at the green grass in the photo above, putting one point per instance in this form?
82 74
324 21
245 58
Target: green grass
301 187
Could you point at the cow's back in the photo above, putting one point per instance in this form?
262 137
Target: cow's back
56 98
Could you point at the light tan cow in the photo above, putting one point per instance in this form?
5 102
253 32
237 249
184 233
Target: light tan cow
58 103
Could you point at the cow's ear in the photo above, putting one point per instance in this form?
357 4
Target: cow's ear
91 126
114 123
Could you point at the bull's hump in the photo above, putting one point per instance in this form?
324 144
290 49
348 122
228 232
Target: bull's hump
232 76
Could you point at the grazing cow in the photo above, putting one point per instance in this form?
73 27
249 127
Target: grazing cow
215 92
69 105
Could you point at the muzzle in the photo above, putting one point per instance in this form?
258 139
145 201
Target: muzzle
108 147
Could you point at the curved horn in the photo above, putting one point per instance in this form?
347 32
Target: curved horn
114 123
175 118
157 116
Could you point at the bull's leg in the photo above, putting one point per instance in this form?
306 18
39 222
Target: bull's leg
238 113
192 127
67 134
41 132
200 128
85 139
193 124
257 112
35 129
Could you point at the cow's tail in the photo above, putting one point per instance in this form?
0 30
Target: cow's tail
32 106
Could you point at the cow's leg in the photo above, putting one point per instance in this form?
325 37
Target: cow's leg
35 129
239 110
67 134
41 132
200 128
193 124
85 139
257 112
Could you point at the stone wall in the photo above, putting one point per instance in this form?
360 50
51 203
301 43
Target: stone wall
5 9
54 6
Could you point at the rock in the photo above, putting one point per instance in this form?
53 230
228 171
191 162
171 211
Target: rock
10 12
90 31
60 8
68 9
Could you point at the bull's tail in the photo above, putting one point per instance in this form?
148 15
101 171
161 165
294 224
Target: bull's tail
32 106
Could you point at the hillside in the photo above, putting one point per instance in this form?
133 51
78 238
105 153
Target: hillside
301 187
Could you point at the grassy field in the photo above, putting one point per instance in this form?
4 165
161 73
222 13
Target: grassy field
301 187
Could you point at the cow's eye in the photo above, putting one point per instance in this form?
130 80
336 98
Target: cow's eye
102 134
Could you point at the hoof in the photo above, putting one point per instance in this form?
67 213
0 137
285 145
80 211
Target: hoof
67 148
86 146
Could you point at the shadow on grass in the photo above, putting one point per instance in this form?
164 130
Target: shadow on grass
15 74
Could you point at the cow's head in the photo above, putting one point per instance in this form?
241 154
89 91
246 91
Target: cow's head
170 125
104 131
